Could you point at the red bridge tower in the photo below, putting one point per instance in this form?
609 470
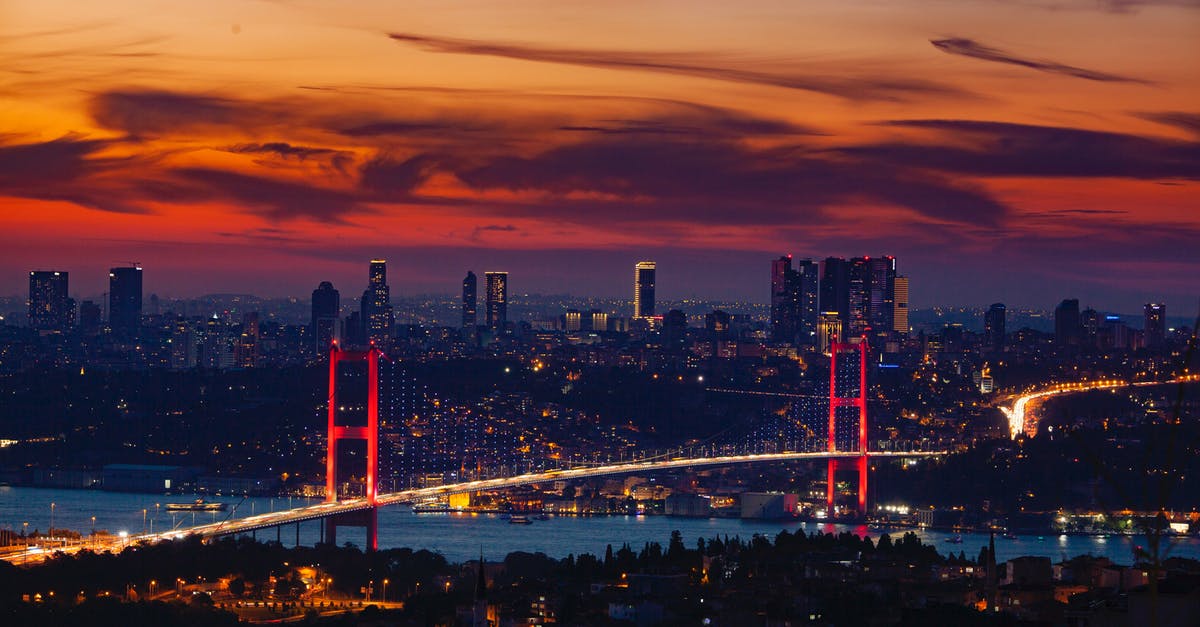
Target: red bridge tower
859 402
370 433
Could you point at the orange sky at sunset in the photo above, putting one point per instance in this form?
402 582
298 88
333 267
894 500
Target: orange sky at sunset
1004 151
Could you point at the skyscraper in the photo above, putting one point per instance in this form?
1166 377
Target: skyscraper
900 306
125 300
783 305
994 322
50 309
859 274
835 287
881 298
794 296
326 309
1066 323
643 289
496 299
1155 325
469 316
377 315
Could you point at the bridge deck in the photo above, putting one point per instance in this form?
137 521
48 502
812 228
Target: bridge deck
324 510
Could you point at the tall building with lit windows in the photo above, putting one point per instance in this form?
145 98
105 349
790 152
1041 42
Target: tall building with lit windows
50 309
125 300
794 303
496 303
1155 321
377 315
900 305
643 289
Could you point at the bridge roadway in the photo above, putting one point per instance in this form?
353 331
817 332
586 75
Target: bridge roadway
323 510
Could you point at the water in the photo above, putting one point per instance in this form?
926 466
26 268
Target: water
459 537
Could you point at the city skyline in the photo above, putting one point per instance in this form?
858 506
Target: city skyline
1009 153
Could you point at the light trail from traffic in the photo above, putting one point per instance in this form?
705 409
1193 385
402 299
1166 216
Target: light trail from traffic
1020 420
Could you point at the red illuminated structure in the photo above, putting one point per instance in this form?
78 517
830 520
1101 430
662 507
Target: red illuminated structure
370 433
859 402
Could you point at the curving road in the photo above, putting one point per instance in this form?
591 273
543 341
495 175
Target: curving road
1020 420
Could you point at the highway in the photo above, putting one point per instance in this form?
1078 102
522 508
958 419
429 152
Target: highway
1020 420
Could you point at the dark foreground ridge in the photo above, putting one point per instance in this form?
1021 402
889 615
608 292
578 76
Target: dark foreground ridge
792 579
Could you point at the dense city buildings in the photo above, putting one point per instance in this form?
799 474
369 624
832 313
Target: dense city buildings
125 300
326 312
794 301
50 306
496 300
643 289
469 301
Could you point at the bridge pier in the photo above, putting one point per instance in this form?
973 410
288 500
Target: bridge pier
860 465
368 518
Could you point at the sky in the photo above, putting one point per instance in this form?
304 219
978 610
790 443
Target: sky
1022 151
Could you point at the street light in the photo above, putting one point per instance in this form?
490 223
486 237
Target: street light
51 532
383 597
143 520
93 532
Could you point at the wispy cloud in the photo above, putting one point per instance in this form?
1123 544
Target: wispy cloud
962 46
697 64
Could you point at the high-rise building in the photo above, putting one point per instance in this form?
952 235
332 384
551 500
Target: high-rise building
794 297
994 322
643 289
470 317
807 285
900 306
1155 329
783 322
1089 328
859 273
882 299
50 309
125 300
377 315
1066 323
326 310
835 287
496 299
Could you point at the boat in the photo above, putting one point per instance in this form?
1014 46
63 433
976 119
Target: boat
520 520
1009 536
199 505
954 539
541 516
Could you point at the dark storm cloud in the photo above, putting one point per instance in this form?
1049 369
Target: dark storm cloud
700 65
1004 149
970 48
62 169
719 182
274 199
